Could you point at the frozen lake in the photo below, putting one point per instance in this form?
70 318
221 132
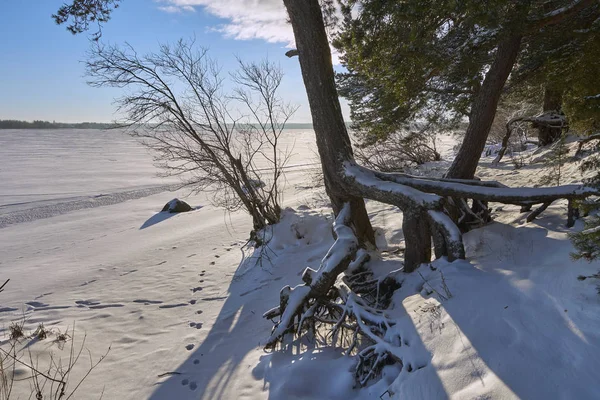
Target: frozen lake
57 165
51 172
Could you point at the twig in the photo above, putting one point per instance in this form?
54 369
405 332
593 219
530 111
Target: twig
4 284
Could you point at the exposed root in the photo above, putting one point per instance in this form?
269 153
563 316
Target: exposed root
341 304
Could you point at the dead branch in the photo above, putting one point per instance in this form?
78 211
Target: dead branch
549 120
4 284
581 142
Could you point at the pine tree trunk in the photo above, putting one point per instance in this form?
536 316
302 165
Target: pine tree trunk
333 141
552 103
483 110
417 239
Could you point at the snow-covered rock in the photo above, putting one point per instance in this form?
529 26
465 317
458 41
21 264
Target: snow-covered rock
176 206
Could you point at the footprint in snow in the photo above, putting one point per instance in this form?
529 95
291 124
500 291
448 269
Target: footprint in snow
174 305
191 255
129 272
212 263
189 347
197 325
192 301
84 303
217 256
192 385
37 304
161 263
196 289
147 302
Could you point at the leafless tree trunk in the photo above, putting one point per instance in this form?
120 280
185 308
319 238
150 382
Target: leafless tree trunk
195 131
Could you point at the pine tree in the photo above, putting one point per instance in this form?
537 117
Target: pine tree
445 60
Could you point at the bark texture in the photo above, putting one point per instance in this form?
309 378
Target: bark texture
552 104
332 137
484 109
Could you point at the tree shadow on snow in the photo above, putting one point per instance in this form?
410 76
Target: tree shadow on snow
327 373
530 325
212 369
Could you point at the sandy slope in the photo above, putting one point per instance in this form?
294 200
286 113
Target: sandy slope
183 316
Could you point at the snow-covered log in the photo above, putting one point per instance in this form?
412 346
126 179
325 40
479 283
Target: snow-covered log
499 194
422 209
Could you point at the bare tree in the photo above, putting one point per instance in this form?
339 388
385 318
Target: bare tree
228 143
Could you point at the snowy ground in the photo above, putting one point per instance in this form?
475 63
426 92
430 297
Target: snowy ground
83 244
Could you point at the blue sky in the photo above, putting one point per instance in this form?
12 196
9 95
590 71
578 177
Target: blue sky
41 64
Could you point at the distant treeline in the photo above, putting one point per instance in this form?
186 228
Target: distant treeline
14 124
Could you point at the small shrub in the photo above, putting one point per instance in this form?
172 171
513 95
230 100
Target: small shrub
16 331
41 332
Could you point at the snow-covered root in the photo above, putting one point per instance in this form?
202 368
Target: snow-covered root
369 326
341 304
305 298
447 237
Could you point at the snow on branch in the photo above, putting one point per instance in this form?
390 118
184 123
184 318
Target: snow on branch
506 195
415 201
389 191
452 246
558 15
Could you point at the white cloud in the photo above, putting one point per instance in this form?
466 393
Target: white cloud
247 19
176 9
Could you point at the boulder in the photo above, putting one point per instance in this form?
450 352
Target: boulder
176 206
